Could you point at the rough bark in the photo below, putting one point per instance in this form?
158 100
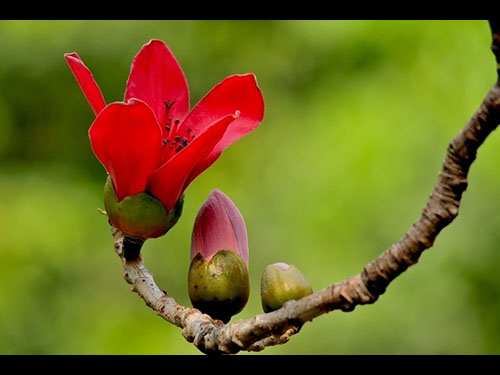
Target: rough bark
212 336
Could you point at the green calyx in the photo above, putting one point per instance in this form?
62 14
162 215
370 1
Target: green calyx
141 215
279 285
219 287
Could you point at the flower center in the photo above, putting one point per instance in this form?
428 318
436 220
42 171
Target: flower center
176 138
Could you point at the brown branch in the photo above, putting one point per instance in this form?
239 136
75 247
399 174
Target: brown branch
212 336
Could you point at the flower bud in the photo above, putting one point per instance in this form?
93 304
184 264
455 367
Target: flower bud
218 281
281 283
140 216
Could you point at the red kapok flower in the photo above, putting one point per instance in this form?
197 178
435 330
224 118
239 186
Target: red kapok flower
151 142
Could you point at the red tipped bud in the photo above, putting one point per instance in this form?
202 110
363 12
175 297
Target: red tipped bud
219 226
218 279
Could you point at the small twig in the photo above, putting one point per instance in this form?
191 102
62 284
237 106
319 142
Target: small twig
212 336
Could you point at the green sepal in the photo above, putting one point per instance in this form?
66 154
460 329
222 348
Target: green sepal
140 216
219 287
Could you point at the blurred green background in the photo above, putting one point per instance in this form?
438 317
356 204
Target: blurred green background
358 117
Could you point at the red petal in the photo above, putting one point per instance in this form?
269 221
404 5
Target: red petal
219 225
169 182
156 77
127 141
235 93
86 81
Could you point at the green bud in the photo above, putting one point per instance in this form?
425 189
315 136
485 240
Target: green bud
281 283
141 215
219 286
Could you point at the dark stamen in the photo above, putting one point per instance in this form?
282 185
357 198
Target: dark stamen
189 130
177 122
169 104
167 128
